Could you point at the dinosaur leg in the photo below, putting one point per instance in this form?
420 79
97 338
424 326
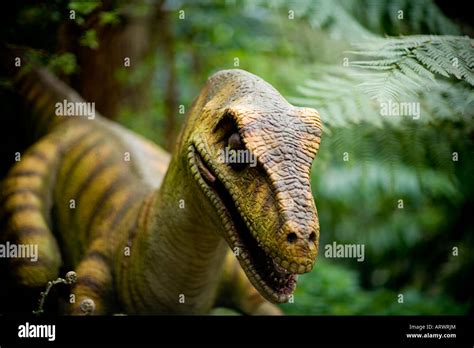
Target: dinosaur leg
93 289
238 293
25 204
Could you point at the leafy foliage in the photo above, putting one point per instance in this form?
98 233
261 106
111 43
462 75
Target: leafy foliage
82 9
334 290
401 17
89 39
407 65
397 159
64 63
402 69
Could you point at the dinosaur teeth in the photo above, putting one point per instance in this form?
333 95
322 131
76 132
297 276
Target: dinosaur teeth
280 269
263 267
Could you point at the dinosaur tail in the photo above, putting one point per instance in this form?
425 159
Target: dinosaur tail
39 89
42 91
26 191
25 203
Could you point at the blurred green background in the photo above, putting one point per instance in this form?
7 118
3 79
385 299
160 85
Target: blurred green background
400 186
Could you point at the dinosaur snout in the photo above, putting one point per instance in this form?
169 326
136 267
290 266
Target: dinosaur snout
301 246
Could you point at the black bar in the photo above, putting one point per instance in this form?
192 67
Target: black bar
242 329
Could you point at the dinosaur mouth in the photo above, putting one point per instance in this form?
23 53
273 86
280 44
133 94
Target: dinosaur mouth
274 282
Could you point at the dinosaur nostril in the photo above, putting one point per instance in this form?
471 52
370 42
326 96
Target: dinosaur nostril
291 237
312 237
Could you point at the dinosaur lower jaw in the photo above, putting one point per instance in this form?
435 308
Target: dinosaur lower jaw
274 282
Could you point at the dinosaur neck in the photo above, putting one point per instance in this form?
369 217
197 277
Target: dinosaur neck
180 251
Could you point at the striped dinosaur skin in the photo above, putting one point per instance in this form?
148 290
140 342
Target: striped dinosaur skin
179 260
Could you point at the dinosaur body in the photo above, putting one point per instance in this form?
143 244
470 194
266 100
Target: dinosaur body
149 233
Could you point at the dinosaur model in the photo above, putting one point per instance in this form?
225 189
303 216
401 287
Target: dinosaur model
152 233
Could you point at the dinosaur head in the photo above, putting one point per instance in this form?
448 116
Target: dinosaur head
250 152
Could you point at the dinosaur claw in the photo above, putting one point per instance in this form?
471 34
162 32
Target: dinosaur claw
88 306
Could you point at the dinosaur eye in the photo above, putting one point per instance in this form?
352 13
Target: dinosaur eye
237 159
235 142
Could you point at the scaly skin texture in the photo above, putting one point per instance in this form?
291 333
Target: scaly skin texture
147 233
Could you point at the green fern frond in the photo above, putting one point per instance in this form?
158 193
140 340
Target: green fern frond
421 69
351 19
407 63
346 102
381 178
401 17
